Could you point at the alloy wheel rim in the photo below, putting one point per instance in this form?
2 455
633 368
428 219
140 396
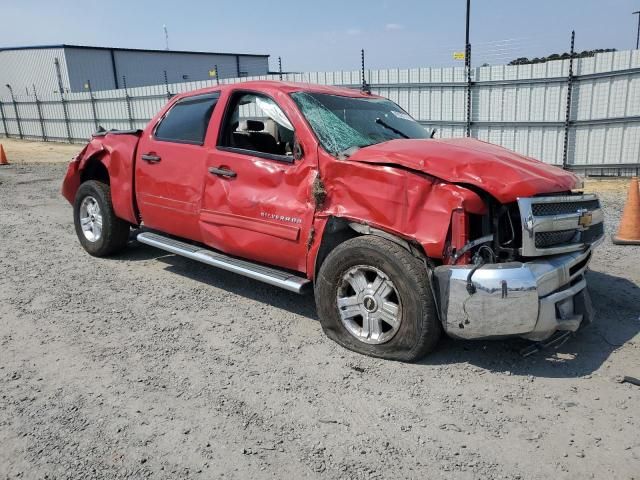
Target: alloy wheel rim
369 304
91 219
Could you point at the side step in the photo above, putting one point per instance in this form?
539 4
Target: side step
272 276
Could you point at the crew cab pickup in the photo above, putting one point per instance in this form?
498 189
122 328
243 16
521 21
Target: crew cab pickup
401 236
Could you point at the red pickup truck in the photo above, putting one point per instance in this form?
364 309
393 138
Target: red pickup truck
402 236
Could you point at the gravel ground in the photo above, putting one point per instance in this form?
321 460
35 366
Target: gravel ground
150 365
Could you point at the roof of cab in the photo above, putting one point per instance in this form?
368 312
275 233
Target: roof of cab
286 87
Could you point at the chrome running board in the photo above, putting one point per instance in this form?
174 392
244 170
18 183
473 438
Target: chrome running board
272 276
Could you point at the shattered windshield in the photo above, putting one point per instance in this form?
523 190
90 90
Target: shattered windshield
344 123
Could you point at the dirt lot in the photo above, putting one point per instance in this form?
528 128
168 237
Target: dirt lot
150 365
22 151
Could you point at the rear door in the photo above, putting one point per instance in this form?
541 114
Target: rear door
171 165
257 201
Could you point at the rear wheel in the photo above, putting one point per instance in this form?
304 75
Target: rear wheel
373 297
100 232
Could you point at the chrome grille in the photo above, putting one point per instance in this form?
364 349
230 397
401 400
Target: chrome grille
551 239
559 224
593 234
544 209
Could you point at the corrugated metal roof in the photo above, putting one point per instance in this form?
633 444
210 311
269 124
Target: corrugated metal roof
88 47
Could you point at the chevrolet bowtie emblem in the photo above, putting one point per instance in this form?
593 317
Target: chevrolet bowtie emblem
585 219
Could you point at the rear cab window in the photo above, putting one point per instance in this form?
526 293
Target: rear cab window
187 120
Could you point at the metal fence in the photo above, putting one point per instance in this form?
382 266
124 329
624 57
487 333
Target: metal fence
583 114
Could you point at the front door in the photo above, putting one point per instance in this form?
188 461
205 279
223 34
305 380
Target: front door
257 200
171 164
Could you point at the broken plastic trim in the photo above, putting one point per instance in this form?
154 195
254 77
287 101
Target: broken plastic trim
101 132
470 245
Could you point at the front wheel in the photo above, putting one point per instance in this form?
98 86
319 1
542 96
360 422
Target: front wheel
373 297
100 232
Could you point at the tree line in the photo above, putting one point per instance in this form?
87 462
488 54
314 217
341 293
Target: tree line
559 56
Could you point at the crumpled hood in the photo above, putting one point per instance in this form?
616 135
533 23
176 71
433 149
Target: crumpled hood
502 173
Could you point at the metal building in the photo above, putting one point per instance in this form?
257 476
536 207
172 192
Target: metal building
50 68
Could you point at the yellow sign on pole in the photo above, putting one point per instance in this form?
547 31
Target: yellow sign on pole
213 73
458 55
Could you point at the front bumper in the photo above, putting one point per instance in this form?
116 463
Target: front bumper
531 300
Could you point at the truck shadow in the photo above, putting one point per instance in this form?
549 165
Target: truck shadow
615 301
230 282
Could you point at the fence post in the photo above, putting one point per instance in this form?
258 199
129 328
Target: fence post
4 121
365 86
166 85
65 111
15 109
567 118
127 99
362 79
94 110
40 118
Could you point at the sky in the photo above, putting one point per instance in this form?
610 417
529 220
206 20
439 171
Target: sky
328 34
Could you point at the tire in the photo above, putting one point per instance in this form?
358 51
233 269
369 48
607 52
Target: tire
385 265
92 204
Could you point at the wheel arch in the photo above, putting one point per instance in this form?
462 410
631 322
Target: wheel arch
340 229
93 168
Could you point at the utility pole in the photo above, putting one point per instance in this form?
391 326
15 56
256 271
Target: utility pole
467 65
467 45
280 67
166 37
637 34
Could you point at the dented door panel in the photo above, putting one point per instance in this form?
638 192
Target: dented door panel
263 213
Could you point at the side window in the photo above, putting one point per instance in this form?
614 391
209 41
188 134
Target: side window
187 120
256 123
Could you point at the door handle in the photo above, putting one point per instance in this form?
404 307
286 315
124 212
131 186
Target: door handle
150 158
223 172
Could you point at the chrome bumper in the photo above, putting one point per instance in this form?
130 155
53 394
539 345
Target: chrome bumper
530 300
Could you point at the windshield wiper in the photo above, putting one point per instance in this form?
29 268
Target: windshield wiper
379 121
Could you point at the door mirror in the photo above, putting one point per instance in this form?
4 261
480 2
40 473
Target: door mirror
297 150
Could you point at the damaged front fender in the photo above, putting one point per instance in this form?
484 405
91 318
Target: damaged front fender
405 203
117 153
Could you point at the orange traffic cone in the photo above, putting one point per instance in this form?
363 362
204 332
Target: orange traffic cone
3 157
629 230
